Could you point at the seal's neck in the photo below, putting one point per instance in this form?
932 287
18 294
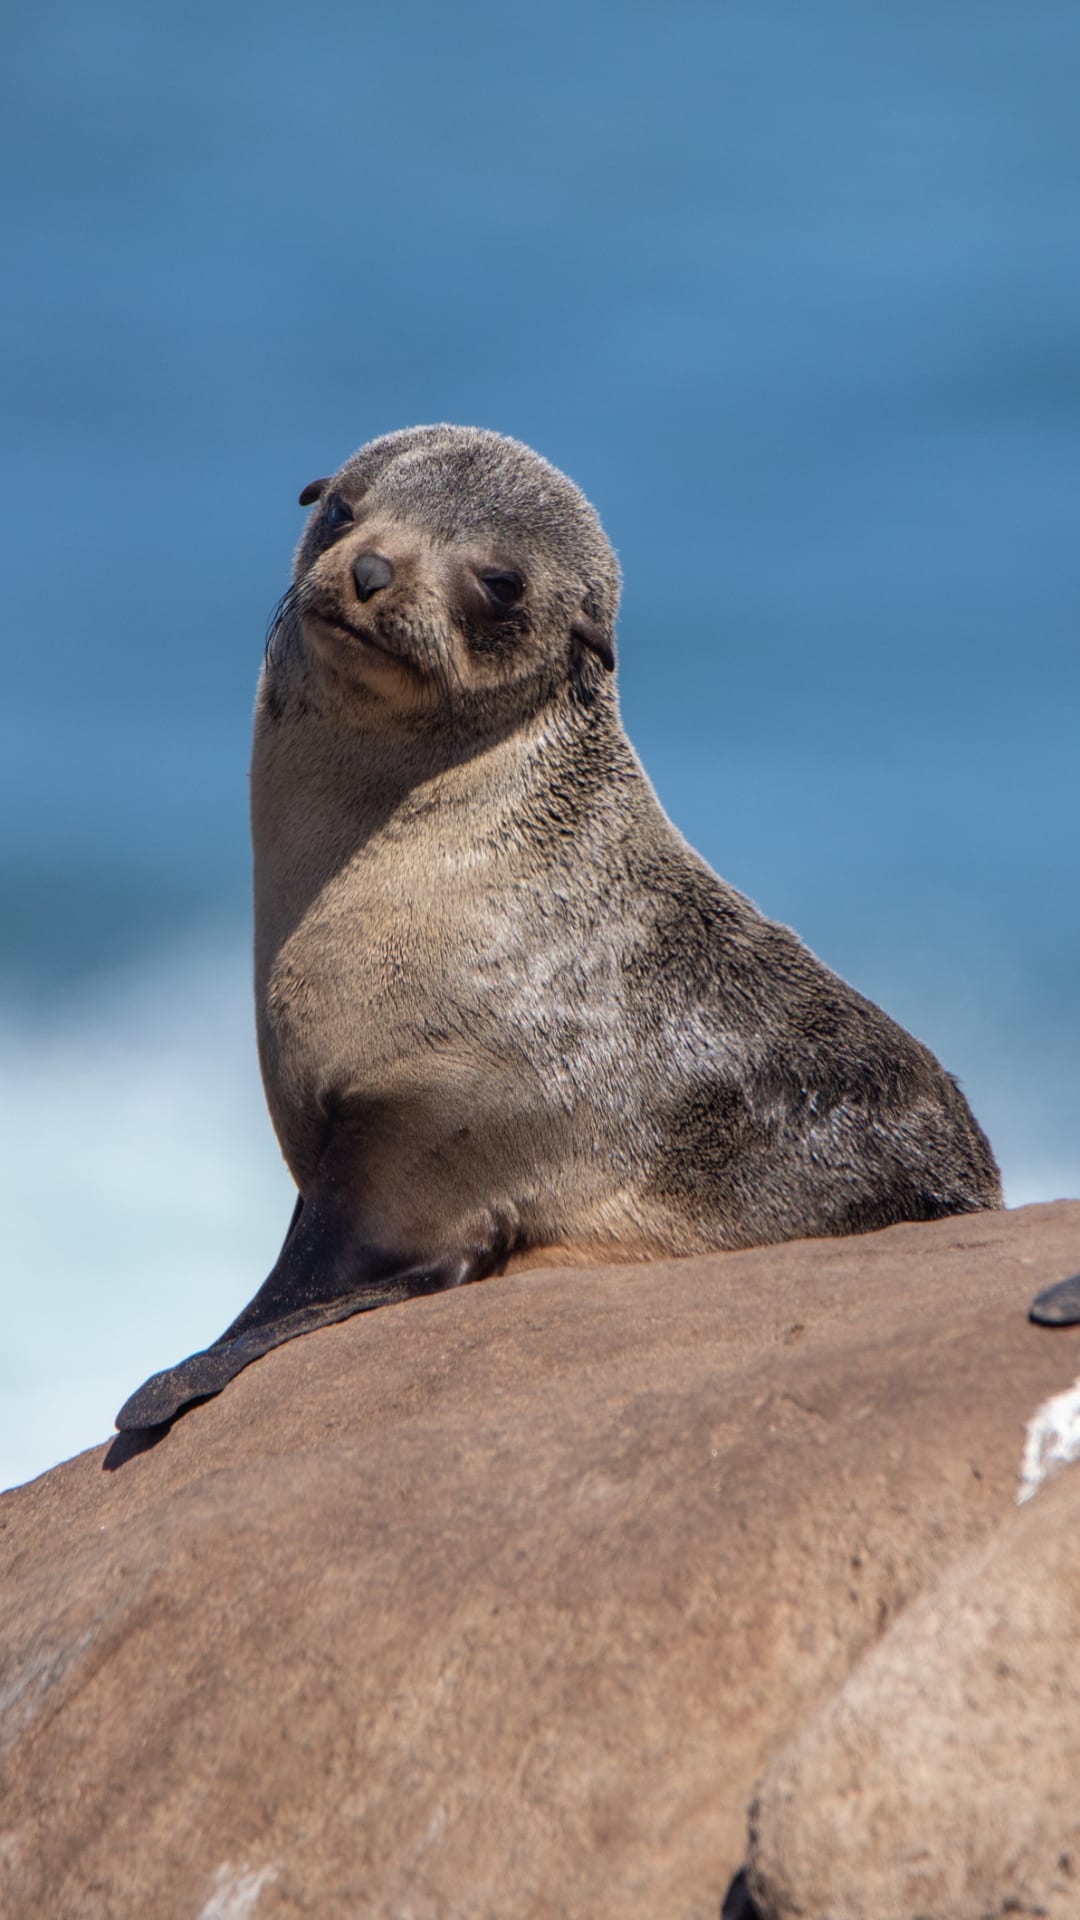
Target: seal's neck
322 797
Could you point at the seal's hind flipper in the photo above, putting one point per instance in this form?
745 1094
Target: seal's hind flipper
1058 1306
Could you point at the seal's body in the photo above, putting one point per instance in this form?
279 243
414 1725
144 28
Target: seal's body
503 1008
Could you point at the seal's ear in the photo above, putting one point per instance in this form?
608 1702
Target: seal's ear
592 635
313 491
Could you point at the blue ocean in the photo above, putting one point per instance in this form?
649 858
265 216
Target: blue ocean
792 292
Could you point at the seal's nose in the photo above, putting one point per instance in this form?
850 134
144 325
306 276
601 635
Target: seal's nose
371 571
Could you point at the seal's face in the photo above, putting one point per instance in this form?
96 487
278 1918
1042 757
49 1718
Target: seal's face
446 566
391 607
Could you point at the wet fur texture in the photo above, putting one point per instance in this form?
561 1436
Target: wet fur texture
501 1004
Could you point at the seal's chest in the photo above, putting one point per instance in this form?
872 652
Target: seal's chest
360 978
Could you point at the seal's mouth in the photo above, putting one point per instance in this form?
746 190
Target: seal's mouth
338 624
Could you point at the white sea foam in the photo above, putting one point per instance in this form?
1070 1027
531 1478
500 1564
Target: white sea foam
145 1195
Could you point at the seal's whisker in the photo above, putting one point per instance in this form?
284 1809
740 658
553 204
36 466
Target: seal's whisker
283 621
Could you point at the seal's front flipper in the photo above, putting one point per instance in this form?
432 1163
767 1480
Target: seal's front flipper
202 1375
326 1271
1058 1306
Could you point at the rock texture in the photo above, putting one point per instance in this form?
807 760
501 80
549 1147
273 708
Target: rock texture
944 1779
496 1605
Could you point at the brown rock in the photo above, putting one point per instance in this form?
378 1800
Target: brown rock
494 1605
944 1779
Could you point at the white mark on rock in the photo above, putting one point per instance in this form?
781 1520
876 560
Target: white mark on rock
24 1686
436 1829
236 1890
1053 1441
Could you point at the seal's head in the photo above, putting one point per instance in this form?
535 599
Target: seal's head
450 567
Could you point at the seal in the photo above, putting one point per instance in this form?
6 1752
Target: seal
505 1013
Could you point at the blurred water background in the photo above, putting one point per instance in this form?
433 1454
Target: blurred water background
793 292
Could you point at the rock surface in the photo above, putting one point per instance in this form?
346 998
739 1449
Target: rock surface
944 1779
495 1605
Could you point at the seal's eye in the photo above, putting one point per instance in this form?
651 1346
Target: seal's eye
338 514
504 589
